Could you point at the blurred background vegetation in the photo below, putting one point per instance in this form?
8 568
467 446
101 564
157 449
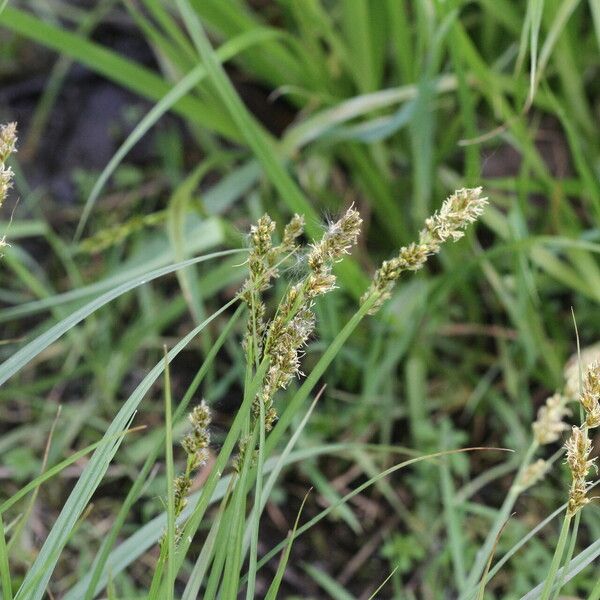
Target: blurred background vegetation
387 104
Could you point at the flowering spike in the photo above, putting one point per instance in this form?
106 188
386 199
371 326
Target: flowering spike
578 449
457 212
549 423
8 141
590 395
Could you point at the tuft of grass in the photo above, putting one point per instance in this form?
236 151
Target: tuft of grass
303 107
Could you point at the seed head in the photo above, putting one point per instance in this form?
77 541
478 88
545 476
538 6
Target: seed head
320 282
261 235
460 209
549 424
534 473
6 177
8 140
582 360
590 395
196 443
463 207
578 449
181 487
339 237
286 341
294 322
293 230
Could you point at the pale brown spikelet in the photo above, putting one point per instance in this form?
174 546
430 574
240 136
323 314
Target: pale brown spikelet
463 207
533 473
579 361
590 395
291 327
337 240
457 212
196 442
181 488
195 445
8 141
550 424
578 448
260 257
293 230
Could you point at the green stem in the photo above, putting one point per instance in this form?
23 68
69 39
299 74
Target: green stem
135 490
504 513
570 553
595 595
558 553
4 565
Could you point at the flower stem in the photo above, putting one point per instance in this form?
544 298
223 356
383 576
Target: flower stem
503 515
558 554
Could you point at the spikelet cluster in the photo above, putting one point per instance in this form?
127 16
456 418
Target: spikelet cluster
262 268
196 445
590 395
261 257
578 447
579 361
111 236
196 442
281 341
457 212
8 141
294 322
549 425
533 473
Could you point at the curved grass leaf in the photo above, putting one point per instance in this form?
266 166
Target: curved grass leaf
147 535
226 52
38 576
126 73
566 573
361 488
92 579
21 358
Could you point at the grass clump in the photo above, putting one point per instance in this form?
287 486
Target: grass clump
240 109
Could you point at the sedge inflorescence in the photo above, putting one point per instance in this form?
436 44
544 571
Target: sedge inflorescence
551 422
549 425
281 341
579 445
8 142
195 444
462 208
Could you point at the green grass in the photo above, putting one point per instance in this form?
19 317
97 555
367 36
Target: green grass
389 105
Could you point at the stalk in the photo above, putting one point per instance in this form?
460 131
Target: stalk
556 559
503 515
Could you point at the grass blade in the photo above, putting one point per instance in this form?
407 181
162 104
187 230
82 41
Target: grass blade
230 49
4 565
170 480
21 358
114 67
276 583
39 574
91 583
364 486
